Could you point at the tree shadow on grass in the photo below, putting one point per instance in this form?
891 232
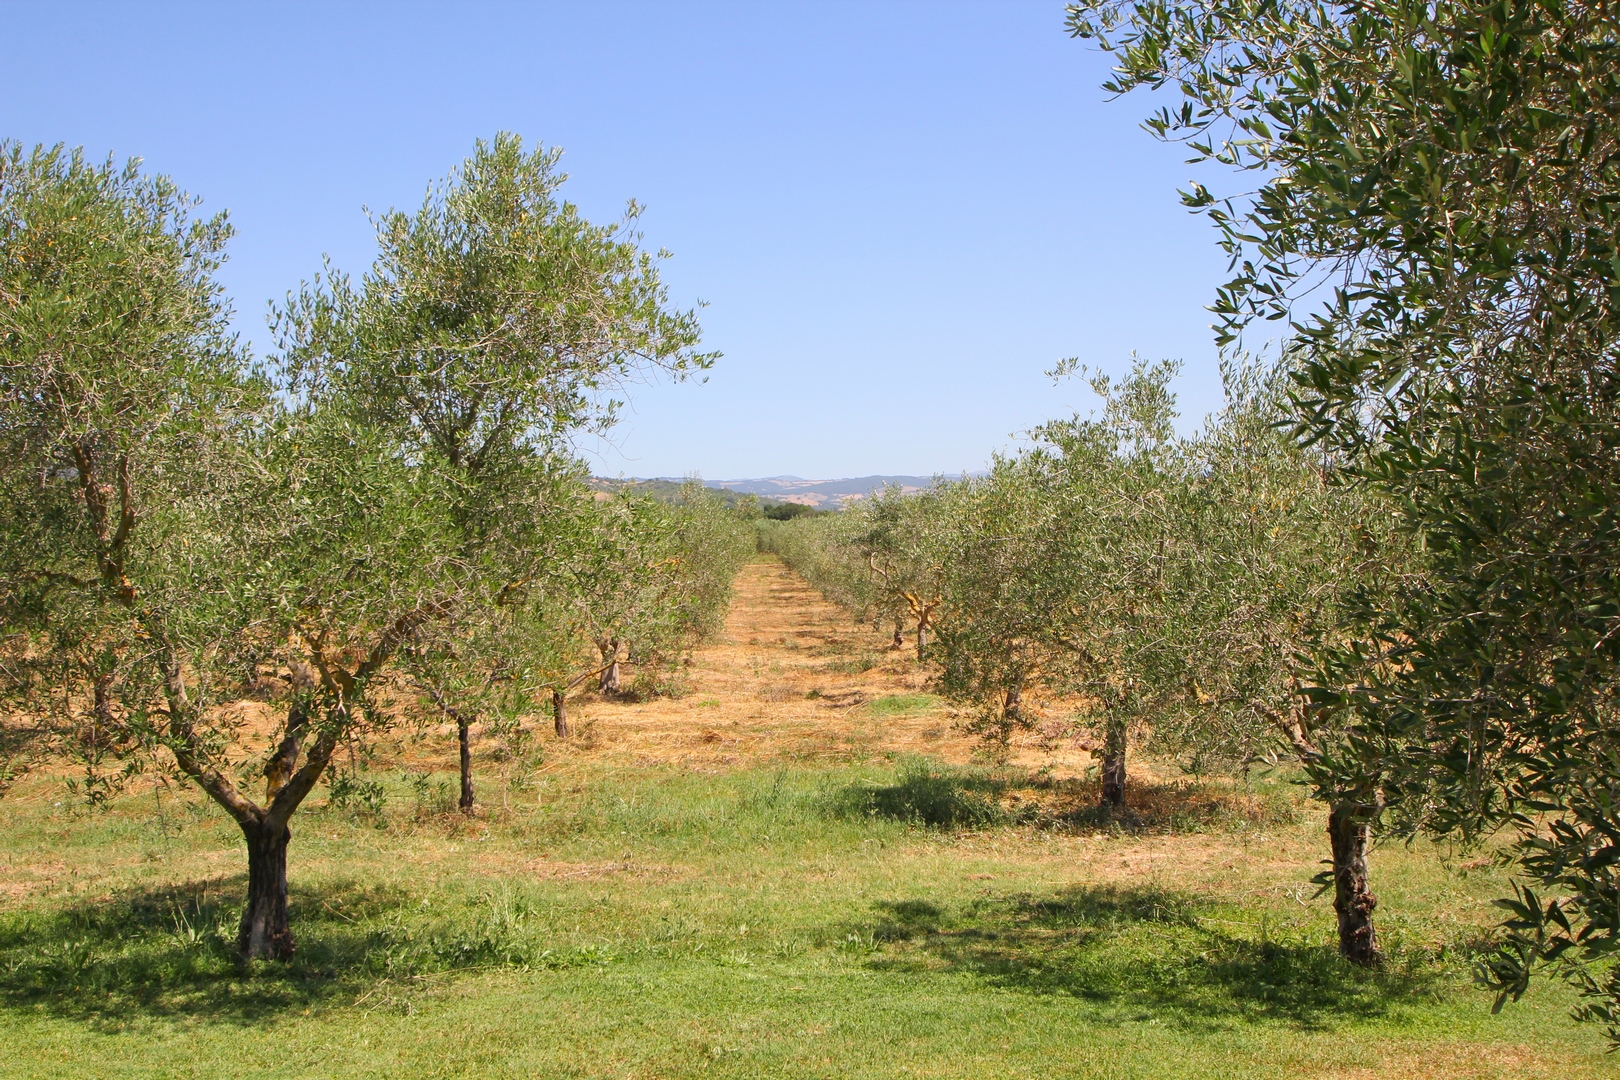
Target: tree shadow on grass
1143 954
931 793
171 952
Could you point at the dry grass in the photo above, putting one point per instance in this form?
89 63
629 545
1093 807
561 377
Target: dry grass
766 693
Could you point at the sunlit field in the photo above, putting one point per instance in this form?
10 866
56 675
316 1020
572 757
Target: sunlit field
797 866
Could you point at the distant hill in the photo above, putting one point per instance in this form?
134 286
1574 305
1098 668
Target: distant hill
821 494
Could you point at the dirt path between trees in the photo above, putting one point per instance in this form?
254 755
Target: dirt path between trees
791 678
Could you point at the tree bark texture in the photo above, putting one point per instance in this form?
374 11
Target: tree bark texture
464 740
97 735
922 638
559 713
610 678
1012 706
899 641
265 933
1348 829
1113 765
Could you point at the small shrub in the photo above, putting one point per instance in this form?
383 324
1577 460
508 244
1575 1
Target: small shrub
349 792
857 665
650 685
431 797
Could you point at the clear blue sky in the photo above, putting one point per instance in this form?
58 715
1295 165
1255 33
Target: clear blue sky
900 214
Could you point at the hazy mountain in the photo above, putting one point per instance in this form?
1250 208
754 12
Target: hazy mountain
822 494
819 493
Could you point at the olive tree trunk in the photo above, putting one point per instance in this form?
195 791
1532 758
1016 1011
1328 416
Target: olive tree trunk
464 740
1113 765
559 713
1012 707
1349 827
265 933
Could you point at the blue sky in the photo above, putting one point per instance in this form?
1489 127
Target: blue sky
899 214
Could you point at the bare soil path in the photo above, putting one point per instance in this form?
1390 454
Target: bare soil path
792 679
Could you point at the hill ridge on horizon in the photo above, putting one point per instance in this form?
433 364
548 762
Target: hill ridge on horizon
821 494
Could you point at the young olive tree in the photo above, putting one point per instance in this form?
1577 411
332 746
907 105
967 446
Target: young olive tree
995 645
900 538
1112 481
485 667
1053 569
655 579
1277 558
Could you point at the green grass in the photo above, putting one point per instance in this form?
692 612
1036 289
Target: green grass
903 705
831 922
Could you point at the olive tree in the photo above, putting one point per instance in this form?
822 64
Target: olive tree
428 401
1055 572
899 538
1277 558
994 644
133 432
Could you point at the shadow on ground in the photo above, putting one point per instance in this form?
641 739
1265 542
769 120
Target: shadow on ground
1140 954
171 951
931 793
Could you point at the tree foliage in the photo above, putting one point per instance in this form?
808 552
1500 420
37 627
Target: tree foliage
1437 183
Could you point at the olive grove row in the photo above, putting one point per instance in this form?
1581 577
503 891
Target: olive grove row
1137 585
1398 557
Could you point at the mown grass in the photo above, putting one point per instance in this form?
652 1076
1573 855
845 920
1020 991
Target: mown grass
888 919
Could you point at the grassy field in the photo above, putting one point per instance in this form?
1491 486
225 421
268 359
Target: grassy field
792 870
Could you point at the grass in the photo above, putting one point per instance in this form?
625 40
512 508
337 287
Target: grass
666 923
903 705
749 881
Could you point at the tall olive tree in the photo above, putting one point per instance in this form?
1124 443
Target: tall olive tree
428 401
1276 558
1113 480
384 489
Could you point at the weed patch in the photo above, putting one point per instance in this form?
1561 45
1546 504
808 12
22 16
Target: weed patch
903 705
929 793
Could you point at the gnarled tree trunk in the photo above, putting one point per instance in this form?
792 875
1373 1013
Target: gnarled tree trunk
97 735
1012 707
1349 826
899 641
559 713
265 933
609 683
922 638
464 740
1113 764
